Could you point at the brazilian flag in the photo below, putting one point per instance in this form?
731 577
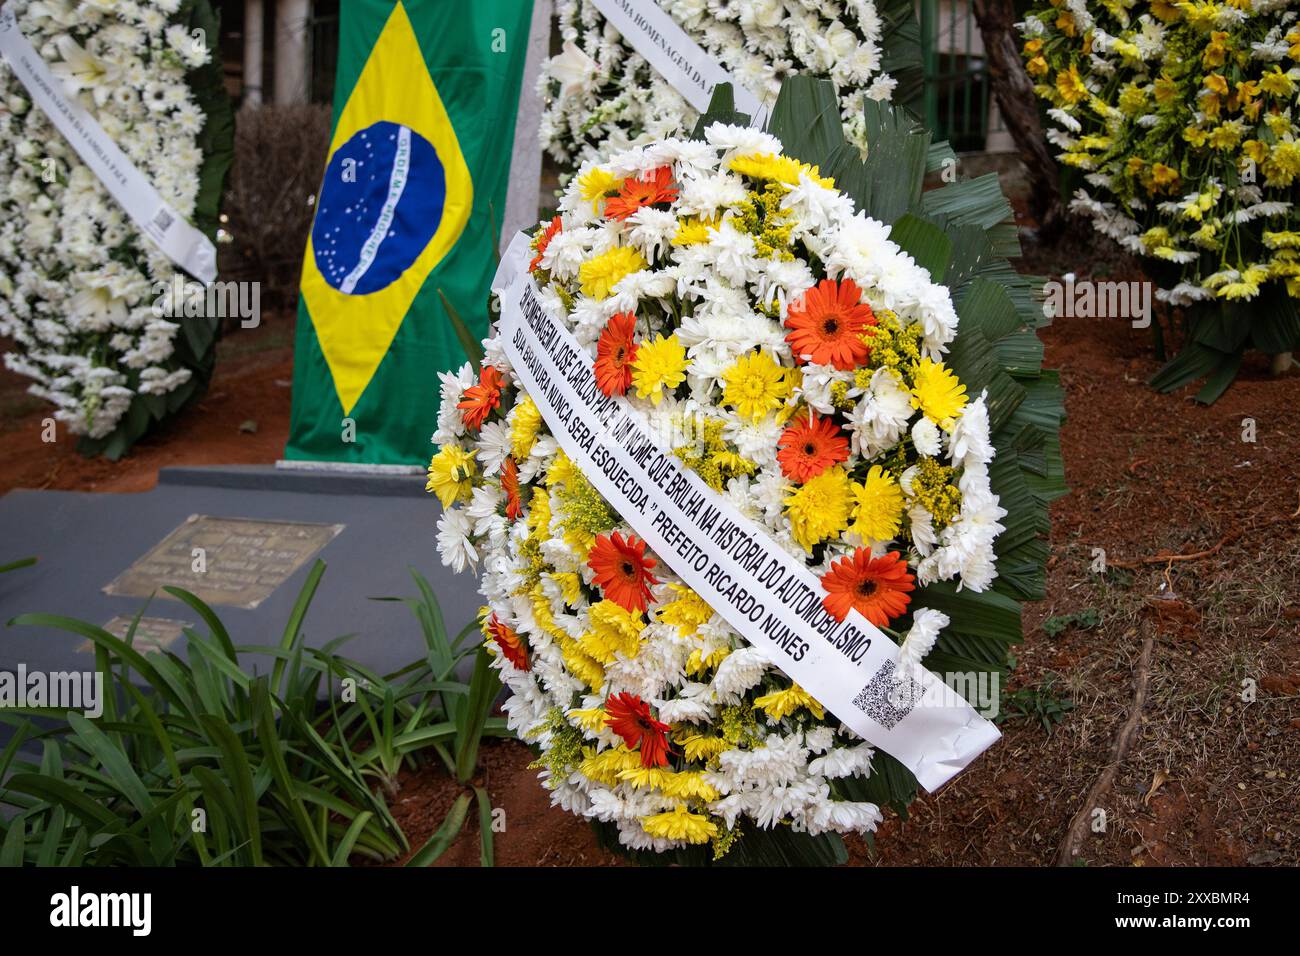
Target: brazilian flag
425 103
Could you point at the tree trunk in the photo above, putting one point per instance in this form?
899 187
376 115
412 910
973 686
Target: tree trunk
1016 100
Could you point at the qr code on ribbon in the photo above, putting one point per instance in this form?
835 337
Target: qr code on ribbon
889 696
163 219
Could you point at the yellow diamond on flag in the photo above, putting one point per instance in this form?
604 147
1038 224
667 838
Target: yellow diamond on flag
395 198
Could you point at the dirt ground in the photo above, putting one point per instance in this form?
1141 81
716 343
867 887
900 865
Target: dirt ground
243 419
1211 777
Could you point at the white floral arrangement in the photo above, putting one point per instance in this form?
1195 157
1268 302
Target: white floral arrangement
601 95
791 354
77 280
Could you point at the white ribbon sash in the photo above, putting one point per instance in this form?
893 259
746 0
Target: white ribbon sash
771 598
687 66
181 242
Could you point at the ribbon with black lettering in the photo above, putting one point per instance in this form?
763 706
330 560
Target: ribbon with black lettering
771 598
687 66
156 218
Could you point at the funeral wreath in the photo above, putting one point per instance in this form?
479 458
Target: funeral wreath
855 368
1178 117
78 282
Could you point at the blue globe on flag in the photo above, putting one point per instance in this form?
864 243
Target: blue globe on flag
380 205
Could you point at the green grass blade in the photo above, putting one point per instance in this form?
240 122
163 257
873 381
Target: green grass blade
294 625
344 849
485 835
444 836
12 850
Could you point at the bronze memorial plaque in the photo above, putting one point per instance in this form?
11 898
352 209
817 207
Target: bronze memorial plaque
152 634
237 562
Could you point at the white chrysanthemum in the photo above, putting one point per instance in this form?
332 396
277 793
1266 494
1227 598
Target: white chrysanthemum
920 637
599 93
64 243
881 416
454 543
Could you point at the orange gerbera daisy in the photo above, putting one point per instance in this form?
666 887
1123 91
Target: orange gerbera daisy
510 485
614 354
653 187
623 570
828 321
809 446
875 587
629 717
553 228
480 399
511 645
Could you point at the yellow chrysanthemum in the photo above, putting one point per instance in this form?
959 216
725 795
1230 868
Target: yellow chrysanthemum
604 767
596 183
581 664
693 230
659 365
686 612
819 508
781 169
570 583
783 703
614 631
755 385
702 661
525 423
1070 85
538 518
937 393
1276 83
561 470
645 778
699 748
1283 164
680 824
878 506
451 473
588 718
688 785
599 274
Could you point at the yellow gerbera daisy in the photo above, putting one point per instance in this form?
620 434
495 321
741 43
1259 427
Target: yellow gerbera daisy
658 365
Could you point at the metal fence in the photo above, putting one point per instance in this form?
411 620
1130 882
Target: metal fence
323 49
957 95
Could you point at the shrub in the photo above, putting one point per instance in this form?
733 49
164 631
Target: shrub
201 761
279 160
